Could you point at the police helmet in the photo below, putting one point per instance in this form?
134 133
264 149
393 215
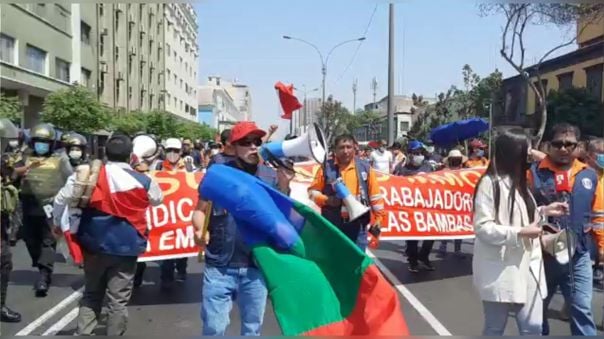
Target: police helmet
45 132
76 139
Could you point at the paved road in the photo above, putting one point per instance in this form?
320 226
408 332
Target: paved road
439 302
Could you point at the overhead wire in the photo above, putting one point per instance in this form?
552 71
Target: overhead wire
356 52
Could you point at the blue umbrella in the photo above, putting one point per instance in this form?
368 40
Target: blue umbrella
454 132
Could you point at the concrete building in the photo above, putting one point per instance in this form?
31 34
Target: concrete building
404 118
307 114
148 57
181 59
582 68
217 106
44 48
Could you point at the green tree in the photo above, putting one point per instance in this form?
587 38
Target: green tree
11 109
334 118
576 106
478 93
162 124
194 130
75 109
128 123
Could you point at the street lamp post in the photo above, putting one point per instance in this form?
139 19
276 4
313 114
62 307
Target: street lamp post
324 61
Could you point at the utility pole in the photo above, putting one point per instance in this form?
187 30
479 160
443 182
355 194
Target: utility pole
354 96
391 76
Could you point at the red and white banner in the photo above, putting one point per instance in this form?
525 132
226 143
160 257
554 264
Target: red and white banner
435 205
427 206
171 231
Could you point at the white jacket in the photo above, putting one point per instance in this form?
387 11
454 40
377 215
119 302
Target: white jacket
506 268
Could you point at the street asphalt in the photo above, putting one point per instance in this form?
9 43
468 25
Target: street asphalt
439 302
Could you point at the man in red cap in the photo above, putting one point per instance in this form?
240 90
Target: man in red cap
477 154
230 269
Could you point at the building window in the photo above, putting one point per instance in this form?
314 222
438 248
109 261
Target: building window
175 103
142 99
101 83
62 69
594 80
169 74
35 59
117 89
7 49
102 45
150 46
117 20
101 9
141 70
150 101
175 80
159 78
130 92
175 57
142 39
85 77
404 126
117 53
84 33
180 83
565 81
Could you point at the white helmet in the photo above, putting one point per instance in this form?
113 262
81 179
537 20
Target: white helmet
173 143
144 147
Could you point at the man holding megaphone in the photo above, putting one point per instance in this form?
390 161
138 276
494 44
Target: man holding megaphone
348 193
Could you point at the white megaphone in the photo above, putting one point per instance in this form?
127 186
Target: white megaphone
558 244
143 148
311 144
353 206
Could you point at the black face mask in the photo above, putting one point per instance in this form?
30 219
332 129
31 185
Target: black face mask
455 163
249 168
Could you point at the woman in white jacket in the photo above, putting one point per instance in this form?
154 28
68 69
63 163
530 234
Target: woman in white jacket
507 263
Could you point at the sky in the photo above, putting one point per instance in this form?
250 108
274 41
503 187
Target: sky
434 39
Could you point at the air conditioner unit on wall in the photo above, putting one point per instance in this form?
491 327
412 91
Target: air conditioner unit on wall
104 68
104 31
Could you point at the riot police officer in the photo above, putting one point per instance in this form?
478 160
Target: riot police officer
43 173
75 146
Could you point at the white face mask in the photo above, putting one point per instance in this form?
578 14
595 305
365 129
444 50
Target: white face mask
417 160
214 151
13 143
75 154
173 157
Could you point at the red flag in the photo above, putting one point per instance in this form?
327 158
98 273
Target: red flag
289 102
119 194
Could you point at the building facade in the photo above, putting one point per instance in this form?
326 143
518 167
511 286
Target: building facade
44 48
217 105
148 57
582 68
405 114
181 59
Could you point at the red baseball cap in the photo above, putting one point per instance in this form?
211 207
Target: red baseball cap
244 128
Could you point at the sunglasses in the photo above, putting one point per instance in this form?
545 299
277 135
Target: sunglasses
172 150
248 142
559 144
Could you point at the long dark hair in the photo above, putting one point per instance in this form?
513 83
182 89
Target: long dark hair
510 158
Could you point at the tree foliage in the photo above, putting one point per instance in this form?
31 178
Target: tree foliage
75 109
513 49
576 106
334 119
128 123
11 109
457 103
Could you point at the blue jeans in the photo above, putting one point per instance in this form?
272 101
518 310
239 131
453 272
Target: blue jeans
581 318
362 241
222 285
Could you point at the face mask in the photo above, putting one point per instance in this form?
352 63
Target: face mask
41 148
600 160
417 160
75 154
173 157
455 162
13 143
214 151
479 153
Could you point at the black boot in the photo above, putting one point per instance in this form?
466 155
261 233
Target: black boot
43 283
9 316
